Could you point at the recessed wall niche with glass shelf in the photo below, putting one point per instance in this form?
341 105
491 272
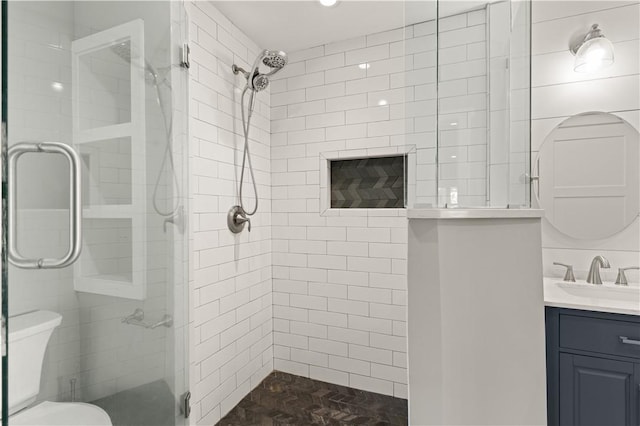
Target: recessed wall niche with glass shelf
108 76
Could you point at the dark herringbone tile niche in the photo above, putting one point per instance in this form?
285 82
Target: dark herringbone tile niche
368 183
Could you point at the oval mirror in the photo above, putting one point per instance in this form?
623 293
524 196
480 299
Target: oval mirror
589 175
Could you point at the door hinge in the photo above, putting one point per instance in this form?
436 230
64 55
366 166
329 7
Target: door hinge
185 51
186 404
4 337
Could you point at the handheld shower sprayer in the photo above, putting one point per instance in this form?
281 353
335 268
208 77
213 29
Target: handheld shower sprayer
238 216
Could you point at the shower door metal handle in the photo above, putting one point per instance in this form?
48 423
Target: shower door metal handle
75 205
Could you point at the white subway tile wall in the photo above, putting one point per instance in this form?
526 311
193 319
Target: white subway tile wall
230 274
340 278
558 92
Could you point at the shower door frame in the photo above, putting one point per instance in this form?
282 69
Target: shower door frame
4 226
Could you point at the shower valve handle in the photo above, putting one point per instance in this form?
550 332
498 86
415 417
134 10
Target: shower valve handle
236 219
242 220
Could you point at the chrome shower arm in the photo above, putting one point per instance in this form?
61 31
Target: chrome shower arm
239 70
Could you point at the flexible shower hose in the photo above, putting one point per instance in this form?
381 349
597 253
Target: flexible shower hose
246 155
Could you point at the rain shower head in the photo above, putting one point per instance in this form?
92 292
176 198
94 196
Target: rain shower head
273 59
276 60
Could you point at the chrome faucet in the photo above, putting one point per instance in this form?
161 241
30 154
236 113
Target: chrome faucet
593 277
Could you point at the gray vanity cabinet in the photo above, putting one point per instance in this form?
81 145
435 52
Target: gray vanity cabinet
593 372
595 391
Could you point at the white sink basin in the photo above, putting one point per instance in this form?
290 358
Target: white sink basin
604 291
580 295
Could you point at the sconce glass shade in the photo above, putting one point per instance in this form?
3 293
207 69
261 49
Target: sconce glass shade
594 55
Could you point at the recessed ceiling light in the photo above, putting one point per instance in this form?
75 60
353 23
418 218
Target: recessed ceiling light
364 66
328 3
454 156
57 86
453 124
382 102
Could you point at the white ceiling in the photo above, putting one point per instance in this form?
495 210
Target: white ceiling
297 24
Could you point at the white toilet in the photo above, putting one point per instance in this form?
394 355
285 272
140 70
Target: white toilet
28 338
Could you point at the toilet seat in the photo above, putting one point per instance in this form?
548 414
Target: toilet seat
61 414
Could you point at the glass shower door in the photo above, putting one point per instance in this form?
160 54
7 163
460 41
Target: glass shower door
95 114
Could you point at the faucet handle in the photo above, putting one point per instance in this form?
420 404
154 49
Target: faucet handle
568 275
236 218
621 279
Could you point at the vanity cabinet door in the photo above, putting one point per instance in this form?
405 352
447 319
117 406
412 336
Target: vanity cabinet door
596 391
636 394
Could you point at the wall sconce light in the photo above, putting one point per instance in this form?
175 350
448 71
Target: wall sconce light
593 53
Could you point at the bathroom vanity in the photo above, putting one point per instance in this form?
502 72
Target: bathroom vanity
593 367
593 353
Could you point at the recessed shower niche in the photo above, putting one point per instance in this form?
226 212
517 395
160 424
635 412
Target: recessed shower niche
374 178
368 182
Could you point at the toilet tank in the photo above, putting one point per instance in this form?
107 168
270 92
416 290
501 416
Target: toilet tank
28 337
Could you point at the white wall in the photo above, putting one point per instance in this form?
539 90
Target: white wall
476 334
230 275
558 92
339 279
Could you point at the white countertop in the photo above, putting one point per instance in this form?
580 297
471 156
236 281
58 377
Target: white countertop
605 298
479 213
